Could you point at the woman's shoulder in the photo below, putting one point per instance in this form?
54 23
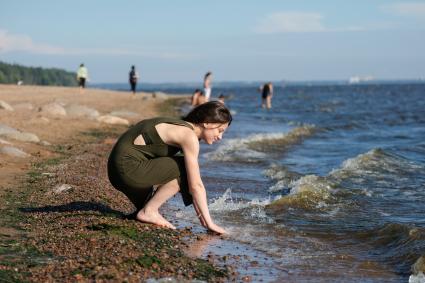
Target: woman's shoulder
176 131
161 119
170 120
174 122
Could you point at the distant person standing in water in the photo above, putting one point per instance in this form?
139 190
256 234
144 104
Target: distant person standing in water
207 85
266 95
133 76
82 77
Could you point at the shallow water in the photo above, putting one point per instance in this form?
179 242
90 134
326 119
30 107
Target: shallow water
328 185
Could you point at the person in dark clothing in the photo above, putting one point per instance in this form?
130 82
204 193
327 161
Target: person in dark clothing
133 76
146 163
266 95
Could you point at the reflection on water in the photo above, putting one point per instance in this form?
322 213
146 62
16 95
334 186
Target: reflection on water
198 248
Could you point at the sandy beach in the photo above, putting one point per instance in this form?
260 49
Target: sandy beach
62 219
56 128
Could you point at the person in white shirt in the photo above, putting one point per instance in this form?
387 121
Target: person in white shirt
82 77
207 86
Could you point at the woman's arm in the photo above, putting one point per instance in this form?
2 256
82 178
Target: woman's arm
186 139
190 146
199 215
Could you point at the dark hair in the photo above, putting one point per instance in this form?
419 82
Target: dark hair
207 74
209 112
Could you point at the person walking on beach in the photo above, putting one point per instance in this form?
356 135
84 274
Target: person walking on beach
133 76
82 77
207 85
266 95
198 97
146 166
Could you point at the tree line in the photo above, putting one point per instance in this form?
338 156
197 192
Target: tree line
17 74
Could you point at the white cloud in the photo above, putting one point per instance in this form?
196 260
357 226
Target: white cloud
409 9
291 22
18 42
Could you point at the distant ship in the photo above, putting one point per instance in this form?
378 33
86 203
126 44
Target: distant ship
357 79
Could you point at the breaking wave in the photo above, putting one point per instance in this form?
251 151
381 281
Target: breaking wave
257 148
376 169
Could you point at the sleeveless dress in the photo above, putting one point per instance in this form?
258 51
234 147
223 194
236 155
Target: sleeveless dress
135 169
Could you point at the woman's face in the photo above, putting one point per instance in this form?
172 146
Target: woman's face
213 132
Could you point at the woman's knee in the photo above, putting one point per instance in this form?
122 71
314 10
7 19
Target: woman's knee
173 184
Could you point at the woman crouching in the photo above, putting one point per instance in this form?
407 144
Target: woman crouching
146 163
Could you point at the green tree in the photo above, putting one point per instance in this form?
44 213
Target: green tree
12 73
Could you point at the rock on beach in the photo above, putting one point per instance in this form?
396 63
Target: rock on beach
15 134
13 151
53 109
75 110
5 106
113 120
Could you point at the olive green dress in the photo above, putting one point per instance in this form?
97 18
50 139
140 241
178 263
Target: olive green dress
135 169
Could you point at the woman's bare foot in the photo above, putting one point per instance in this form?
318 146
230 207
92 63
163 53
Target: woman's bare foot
153 218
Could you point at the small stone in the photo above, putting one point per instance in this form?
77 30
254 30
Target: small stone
5 106
62 188
254 263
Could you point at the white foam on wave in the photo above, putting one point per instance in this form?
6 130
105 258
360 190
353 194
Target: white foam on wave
313 193
369 174
227 203
417 278
314 184
245 149
283 176
375 162
251 209
385 174
235 150
321 190
238 149
279 186
418 268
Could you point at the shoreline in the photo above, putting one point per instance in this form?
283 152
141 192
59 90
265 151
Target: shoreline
59 222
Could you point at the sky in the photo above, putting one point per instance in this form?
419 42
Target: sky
237 40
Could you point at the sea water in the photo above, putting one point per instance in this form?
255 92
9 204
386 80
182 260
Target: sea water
328 185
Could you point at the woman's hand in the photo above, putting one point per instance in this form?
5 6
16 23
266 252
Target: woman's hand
217 229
